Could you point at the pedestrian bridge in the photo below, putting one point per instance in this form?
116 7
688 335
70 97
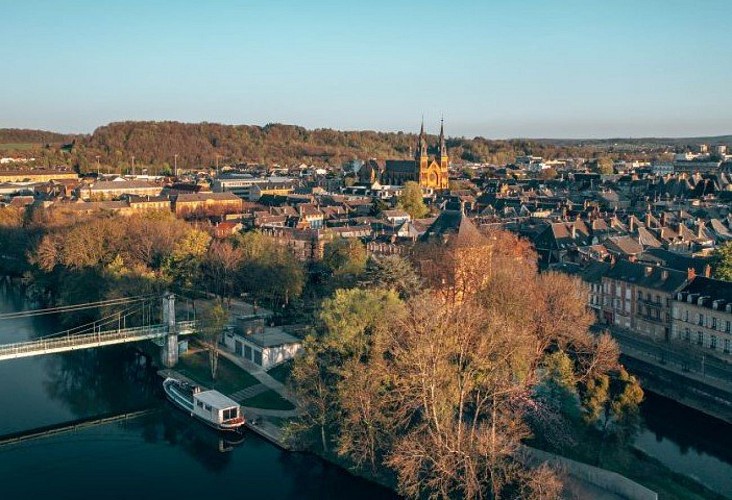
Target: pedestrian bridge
102 338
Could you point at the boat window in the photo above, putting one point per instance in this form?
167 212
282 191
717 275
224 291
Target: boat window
200 405
207 407
230 413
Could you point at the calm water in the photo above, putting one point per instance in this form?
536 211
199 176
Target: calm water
163 455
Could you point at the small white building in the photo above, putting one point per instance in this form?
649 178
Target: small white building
266 347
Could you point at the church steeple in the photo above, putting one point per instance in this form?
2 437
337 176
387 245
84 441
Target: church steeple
421 151
442 149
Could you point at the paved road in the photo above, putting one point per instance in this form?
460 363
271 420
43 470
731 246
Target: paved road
692 364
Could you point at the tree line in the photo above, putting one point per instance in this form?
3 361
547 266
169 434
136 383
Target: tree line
155 144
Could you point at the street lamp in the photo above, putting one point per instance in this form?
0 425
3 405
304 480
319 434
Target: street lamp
175 165
97 166
133 165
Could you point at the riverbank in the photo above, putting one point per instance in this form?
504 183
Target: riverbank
633 464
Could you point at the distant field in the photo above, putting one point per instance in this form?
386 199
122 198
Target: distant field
18 146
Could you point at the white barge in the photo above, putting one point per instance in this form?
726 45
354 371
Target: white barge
211 407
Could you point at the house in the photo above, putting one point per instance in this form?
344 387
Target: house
108 190
206 204
702 315
264 346
638 297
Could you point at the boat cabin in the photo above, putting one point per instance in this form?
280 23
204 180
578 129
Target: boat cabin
215 407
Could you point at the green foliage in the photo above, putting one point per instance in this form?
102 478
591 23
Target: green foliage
722 262
603 165
268 271
412 201
611 404
345 257
183 265
352 322
392 272
560 384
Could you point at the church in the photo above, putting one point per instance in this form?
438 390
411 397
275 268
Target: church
428 172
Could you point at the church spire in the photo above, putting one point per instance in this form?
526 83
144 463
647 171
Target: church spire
421 151
443 149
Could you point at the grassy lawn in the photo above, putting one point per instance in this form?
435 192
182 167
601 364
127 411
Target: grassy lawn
268 400
229 378
281 372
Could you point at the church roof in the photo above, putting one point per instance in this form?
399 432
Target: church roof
406 166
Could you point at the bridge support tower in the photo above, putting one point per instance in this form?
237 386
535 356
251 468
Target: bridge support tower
169 352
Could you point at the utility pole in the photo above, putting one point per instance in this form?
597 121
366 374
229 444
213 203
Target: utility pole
133 165
217 165
97 166
175 165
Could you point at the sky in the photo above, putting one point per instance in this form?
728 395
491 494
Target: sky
493 68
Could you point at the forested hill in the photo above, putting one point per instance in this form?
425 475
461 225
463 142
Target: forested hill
201 144
21 136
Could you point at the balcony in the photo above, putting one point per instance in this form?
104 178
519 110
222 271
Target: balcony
650 302
652 319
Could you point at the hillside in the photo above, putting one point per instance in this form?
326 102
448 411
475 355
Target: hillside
202 144
28 137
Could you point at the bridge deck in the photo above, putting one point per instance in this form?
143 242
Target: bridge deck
90 340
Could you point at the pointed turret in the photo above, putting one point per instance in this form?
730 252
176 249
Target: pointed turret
442 149
421 151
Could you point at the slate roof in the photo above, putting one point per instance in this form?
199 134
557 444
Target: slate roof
454 228
655 277
673 260
708 287
623 245
401 166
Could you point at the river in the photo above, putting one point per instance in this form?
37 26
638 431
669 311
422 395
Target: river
166 455
162 455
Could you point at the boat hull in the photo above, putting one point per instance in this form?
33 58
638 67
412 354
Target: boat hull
176 395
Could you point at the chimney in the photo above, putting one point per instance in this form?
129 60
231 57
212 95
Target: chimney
707 271
662 219
690 273
661 233
631 224
700 229
664 275
648 270
574 231
648 219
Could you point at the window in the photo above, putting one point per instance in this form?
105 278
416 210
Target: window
686 316
714 323
230 413
728 327
713 342
658 299
199 404
207 407
701 320
687 335
700 338
726 345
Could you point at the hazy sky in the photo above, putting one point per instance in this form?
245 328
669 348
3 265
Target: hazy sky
498 68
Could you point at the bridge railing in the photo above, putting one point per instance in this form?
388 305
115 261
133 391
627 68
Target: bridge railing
95 338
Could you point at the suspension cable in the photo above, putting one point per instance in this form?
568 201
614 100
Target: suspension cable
74 307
